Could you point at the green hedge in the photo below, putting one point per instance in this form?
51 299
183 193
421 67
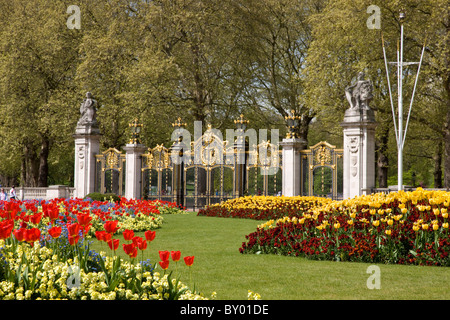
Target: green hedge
97 196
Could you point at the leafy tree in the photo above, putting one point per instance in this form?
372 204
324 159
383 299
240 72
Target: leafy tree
343 46
37 62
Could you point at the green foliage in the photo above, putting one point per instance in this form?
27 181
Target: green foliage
97 196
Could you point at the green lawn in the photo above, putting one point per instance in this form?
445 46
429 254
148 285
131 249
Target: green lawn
219 267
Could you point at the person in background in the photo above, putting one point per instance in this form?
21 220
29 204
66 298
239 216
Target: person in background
12 193
3 195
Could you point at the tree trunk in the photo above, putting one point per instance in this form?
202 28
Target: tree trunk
438 166
43 163
446 78
447 151
30 166
383 160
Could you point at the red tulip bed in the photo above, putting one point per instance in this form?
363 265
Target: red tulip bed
45 251
398 228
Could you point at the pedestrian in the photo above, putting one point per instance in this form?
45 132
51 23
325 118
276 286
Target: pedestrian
12 193
3 195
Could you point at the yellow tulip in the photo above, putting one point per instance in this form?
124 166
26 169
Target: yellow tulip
404 210
376 223
435 226
337 225
390 222
415 227
445 225
425 226
436 211
350 222
388 232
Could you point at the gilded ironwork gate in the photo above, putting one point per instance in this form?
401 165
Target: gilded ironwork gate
264 170
322 171
110 173
157 174
209 172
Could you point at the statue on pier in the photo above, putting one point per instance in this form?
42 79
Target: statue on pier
360 94
88 110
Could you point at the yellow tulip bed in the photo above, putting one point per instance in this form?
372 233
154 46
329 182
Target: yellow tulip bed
263 207
399 228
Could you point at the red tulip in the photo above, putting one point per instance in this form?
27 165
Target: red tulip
50 211
73 229
32 235
164 255
36 218
55 232
107 236
164 264
19 234
175 255
150 235
111 226
128 234
113 244
84 219
189 260
6 227
73 240
100 235
74 233
140 243
130 250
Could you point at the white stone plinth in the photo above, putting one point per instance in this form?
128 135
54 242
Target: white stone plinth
133 165
291 166
87 145
359 152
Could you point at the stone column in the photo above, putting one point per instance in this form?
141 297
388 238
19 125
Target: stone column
87 145
133 174
291 166
359 152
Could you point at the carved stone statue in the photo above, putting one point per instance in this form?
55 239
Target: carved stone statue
88 110
359 95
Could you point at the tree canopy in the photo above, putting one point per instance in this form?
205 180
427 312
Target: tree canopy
211 61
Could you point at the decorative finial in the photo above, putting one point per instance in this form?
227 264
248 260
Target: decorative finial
292 123
241 122
135 131
178 124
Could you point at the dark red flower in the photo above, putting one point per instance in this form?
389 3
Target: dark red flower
189 260
111 226
130 250
150 235
164 255
113 244
164 264
128 234
55 232
175 255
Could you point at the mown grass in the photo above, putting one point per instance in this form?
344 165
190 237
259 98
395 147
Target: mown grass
219 267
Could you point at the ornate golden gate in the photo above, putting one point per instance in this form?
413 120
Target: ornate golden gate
321 171
157 172
110 172
209 172
264 170
213 170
